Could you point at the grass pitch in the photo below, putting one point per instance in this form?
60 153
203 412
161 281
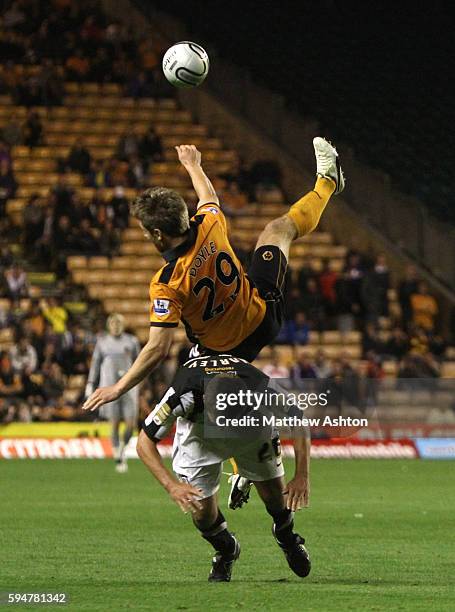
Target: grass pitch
380 534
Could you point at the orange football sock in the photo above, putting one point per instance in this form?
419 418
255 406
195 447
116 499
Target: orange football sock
307 211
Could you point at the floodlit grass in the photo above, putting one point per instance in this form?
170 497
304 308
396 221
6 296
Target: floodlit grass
380 534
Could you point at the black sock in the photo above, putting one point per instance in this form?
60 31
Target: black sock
219 537
284 524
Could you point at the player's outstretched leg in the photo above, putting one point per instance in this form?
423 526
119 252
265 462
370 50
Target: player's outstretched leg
291 543
303 216
213 528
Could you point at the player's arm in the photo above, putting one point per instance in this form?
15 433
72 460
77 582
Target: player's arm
298 489
151 355
184 495
190 158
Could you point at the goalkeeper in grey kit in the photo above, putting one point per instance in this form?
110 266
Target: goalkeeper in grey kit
114 353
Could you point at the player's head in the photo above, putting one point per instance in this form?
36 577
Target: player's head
162 213
115 324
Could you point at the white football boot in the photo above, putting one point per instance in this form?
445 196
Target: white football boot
328 163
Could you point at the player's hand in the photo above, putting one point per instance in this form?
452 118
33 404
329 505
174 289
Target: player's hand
298 493
188 155
89 389
186 496
101 396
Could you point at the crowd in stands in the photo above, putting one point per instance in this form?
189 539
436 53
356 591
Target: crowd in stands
49 347
62 223
74 41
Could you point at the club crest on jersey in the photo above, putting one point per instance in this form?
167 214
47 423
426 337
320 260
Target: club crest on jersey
161 307
267 255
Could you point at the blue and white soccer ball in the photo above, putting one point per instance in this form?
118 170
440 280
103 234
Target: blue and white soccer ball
185 64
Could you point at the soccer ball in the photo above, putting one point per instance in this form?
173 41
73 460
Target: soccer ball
185 64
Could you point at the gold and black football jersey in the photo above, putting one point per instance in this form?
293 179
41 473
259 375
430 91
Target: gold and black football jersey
203 284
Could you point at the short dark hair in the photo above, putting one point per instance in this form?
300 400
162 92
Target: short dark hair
161 208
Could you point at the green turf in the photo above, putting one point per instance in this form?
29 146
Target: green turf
380 534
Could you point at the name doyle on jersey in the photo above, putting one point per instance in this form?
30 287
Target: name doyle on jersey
204 253
272 420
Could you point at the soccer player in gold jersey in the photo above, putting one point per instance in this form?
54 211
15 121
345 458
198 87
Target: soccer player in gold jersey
202 283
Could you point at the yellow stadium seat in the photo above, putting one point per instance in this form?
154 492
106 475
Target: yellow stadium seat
98 262
76 262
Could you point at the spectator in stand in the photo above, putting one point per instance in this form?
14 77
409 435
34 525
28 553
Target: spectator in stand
128 144
10 381
54 382
119 172
375 286
370 372
77 66
32 130
371 342
424 308
295 331
33 221
101 66
150 146
148 55
234 199
24 358
35 326
418 342
62 194
109 240
313 304
76 358
348 306
327 284
54 311
301 371
50 355
12 131
87 239
321 365
16 282
120 205
64 243
29 92
398 344
437 345
8 185
6 317
136 174
275 369
5 154
98 176
79 158
6 256
44 242
407 287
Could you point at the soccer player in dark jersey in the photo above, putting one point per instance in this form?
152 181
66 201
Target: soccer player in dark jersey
198 459
203 283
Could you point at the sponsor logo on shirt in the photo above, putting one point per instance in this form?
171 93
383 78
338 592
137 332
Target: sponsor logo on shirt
161 307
